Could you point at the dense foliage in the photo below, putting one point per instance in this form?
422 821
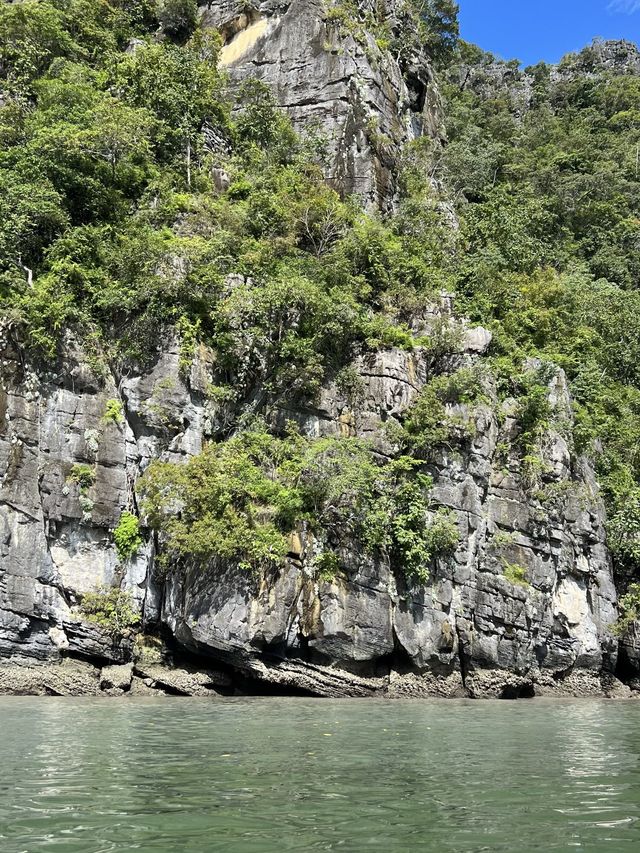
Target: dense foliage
131 202
127 536
241 500
112 223
413 25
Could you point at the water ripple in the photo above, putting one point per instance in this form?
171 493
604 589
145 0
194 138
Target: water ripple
286 775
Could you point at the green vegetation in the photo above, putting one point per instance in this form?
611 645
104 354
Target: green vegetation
112 609
178 17
83 475
429 425
327 565
136 202
515 574
629 605
127 536
440 29
240 499
502 539
425 24
548 197
115 228
113 413
103 152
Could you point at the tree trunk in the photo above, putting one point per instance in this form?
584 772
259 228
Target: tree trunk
26 270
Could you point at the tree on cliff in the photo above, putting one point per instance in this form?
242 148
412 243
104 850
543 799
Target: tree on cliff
443 28
178 17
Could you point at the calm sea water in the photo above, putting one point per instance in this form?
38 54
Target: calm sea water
263 775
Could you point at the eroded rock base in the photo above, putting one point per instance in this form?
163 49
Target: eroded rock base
76 677
176 677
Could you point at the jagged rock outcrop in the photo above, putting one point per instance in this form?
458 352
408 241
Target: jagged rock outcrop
494 77
616 56
472 618
477 627
336 81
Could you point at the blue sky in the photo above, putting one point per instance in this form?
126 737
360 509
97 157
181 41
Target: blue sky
531 30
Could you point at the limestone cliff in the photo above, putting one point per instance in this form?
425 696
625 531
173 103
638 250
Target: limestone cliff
476 628
336 81
471 627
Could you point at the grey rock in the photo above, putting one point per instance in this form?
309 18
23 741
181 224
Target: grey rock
470 630
316 679
184 680
140 688
477 340
88 640
514 636
336 82
116 677
67 678
630 647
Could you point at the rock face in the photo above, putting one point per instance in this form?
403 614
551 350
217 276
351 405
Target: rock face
474 626
336 81
524 605
617 56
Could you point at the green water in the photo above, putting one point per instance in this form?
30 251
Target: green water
268 775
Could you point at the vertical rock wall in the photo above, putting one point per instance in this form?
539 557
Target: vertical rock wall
337 82
472 628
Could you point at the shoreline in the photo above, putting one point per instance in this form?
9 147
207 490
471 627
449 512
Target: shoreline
73 677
